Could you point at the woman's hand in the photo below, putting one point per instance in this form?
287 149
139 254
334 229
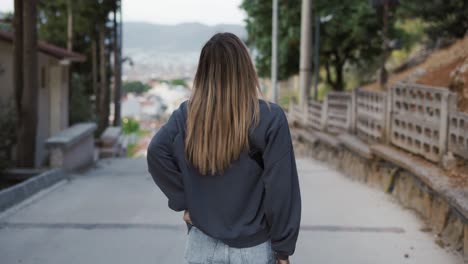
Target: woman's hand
188 220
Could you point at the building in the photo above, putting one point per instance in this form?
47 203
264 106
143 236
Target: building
53 88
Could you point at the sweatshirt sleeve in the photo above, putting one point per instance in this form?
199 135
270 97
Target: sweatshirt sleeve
282 193
163 168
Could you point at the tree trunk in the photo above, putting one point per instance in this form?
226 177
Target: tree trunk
117 68
70 48
26 148
104 106
338 66
328 71
70 26
339 82
18 58
94 74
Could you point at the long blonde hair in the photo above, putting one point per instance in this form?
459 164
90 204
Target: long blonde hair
223 105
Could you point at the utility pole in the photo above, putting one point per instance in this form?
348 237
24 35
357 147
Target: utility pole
316 57
117 61
305 66
274 52
104 93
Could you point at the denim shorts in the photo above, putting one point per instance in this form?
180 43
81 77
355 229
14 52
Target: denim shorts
202 249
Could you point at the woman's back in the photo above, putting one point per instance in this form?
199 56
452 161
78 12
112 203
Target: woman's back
253 198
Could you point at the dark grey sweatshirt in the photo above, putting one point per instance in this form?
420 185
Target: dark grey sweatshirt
257 198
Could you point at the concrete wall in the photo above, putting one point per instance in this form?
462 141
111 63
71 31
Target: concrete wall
72 148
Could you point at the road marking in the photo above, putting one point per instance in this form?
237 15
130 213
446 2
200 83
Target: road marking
94 226
358 229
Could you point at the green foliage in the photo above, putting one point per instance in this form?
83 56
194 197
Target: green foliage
259 35
444 18
7 133
351 45
352 36
52 20
130 125
81 109
52 28
7 20
135 87
178 82
131 150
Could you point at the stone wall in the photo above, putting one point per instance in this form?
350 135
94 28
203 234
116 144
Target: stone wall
445 221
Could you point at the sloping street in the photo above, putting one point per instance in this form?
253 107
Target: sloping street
114 213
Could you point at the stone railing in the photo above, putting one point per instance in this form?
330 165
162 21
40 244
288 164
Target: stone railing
370 115
72 148
295 113
338 112
419 119
410 140
412 117
112 143
314 115
458 134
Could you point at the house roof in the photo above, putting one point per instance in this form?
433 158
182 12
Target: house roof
49 49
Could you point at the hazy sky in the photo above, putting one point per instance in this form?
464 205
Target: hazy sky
174 11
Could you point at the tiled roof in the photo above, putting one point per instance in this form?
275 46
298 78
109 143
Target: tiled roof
49 49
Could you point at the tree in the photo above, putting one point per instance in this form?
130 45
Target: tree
259 35
446 18
117 63
88 16
178 82
6 21
135 87
351 37
103 120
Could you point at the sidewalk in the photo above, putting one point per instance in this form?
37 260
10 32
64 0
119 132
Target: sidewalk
115 214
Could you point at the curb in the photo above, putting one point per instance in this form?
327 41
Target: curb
21 191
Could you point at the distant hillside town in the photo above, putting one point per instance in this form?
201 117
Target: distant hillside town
157 100
167 51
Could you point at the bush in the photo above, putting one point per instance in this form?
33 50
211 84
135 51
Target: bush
81 107
130 125
7 134
135 87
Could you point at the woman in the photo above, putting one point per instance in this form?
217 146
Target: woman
225 157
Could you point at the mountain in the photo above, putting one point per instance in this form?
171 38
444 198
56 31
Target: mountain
173 38
168 50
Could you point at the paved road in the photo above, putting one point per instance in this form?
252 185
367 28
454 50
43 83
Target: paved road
115 214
